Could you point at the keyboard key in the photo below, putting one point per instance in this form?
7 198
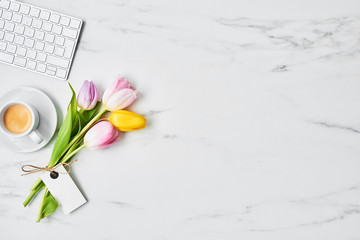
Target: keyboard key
29 32
41 57
9 26
37 23
20 61
35 12
4 4
9 58
45 15
11 48
39 35
31 65
17 18
39 46
58 61
55 18
69 33
14 6
19 40
51 73
6 15
21 51
59 51
69 46
19 29
47 26
51 68
49 38
25 9
41 67
49 48
57 29
75 23
27 21
31 54
68 53
59 41
2 24
2 33
65 21
9 37
29 43
61 73
3 45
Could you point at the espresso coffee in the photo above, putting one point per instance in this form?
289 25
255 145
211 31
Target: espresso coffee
17 119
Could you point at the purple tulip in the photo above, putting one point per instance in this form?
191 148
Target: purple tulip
88 96
101 135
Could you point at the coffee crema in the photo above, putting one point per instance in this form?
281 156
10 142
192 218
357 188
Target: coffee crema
17 118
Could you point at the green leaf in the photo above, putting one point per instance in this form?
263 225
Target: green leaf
86 116
76 126
48 205
64 135
73 103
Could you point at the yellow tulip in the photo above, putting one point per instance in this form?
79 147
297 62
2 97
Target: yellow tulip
127 121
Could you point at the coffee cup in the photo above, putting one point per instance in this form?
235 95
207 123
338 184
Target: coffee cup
19 119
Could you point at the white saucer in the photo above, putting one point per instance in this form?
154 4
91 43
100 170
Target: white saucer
47 114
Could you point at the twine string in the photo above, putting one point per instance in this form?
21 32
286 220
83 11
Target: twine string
34 169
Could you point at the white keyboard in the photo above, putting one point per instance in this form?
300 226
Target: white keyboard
37 39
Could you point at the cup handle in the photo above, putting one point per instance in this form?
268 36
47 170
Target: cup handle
36 136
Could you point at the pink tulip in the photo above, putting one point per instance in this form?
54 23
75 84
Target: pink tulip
88 96
101 135
119 95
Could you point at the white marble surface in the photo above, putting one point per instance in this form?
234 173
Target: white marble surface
254 123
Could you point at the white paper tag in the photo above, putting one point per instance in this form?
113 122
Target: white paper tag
64 190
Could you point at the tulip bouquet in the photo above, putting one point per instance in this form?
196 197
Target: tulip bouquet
85 128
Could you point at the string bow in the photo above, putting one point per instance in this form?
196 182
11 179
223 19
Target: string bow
34 169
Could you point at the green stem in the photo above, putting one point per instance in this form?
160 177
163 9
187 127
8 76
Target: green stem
73 147
36 184
32 194
72 154
28 199
42 202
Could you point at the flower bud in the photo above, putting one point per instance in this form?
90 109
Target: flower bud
127 121
119 95
101 135
88 96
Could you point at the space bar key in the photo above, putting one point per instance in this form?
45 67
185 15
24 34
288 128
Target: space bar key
57 61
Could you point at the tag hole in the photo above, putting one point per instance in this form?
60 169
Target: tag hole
54 175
